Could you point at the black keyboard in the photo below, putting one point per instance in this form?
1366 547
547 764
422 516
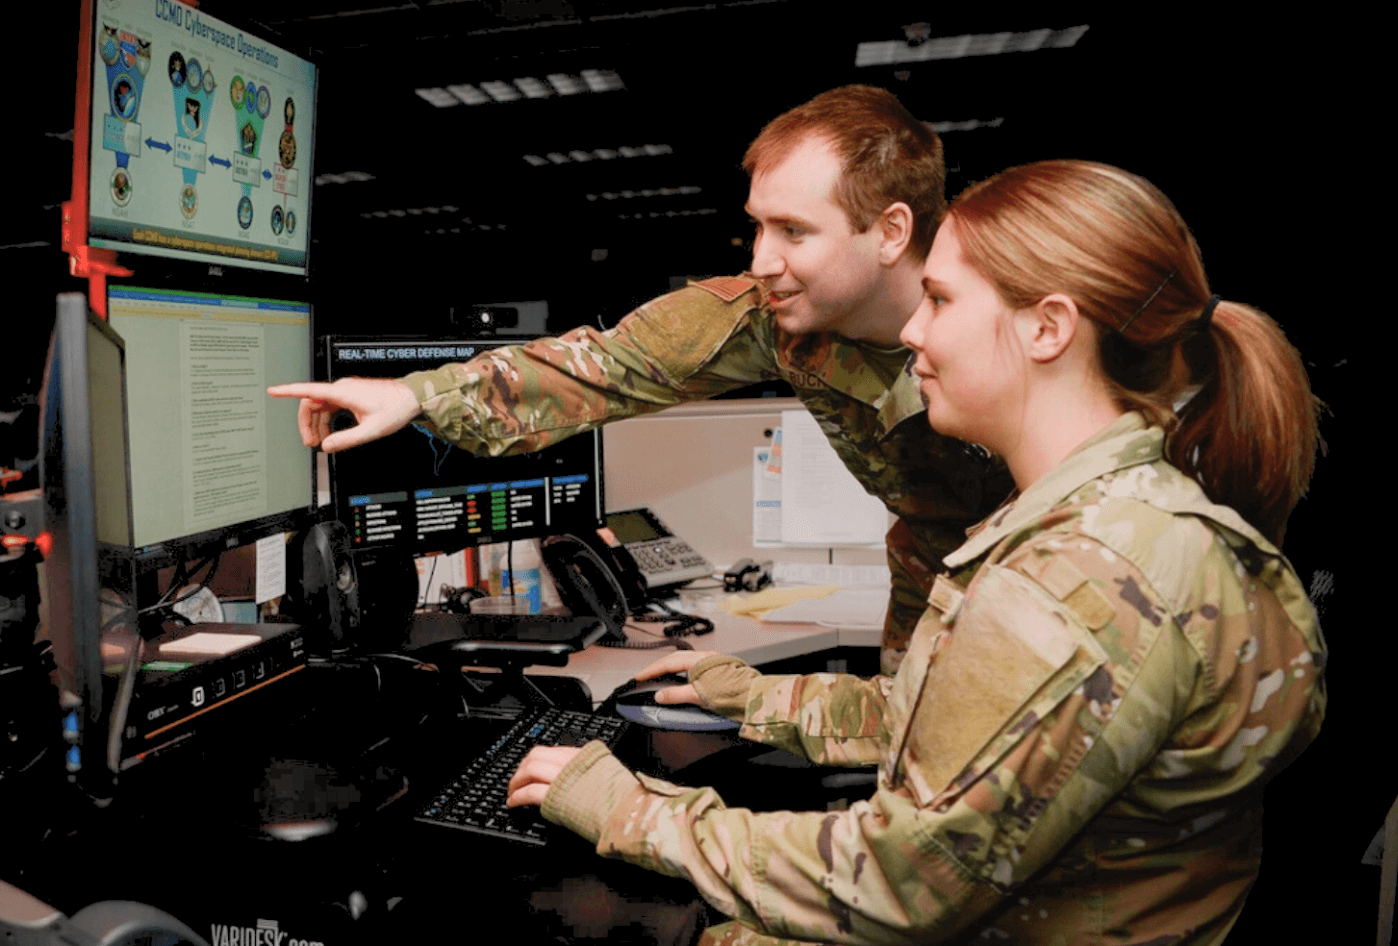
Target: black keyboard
475 800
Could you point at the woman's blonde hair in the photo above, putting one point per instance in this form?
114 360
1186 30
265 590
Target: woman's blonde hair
1113 243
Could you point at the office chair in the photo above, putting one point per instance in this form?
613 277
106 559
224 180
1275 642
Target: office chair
28 921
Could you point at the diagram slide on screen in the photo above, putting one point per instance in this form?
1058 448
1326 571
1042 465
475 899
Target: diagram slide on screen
200 138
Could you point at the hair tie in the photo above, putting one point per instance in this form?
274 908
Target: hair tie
1146 304
1206 317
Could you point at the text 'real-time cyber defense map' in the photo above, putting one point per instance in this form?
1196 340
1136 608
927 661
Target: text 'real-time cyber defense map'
201 139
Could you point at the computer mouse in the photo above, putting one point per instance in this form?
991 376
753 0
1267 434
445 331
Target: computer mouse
642 692
635 701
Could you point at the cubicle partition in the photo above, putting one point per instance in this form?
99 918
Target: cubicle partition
693 465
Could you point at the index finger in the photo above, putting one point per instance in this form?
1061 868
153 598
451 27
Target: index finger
311 389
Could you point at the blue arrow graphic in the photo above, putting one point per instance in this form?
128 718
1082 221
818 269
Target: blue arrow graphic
152 143
224 161
267 174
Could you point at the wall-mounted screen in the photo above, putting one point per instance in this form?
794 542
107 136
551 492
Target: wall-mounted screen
201 139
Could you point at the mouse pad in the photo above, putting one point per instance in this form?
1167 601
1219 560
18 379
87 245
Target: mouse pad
685 718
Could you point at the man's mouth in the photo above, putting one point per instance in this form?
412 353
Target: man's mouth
783 295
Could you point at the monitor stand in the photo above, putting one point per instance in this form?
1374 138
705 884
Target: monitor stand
454 640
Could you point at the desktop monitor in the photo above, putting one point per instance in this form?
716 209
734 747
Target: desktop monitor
215 462
411 492
85 478
200 139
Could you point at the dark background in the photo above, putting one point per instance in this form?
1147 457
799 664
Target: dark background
1253 129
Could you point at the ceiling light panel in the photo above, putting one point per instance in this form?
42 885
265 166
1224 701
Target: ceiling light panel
565 84
525 87
438 97
648 192
892 52
500 91
468 94
605 154
533 88
347 177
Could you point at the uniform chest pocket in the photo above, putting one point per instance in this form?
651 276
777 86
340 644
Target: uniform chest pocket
1015 653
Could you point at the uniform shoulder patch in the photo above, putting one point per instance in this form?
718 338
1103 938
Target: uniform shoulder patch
1070 585
726 288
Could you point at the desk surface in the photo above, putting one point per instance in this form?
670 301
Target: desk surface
604 669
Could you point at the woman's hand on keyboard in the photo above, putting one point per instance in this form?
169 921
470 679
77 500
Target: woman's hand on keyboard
679 662
536 773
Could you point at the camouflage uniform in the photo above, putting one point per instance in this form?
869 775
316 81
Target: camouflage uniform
1072 752
712 337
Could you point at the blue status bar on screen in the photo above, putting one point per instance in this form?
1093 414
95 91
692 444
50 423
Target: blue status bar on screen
200 298
444 491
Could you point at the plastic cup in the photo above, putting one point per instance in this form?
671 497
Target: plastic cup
503 605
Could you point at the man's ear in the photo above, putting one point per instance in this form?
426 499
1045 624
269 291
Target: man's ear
895 232
1054 322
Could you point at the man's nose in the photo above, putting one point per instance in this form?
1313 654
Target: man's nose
766 262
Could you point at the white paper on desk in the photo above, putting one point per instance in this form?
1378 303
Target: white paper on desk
848 607
822 503
271 568
766 502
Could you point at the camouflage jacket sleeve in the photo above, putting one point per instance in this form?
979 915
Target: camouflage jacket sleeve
1084 708
830 718
687 345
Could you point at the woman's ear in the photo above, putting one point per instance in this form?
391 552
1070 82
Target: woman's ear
1054 322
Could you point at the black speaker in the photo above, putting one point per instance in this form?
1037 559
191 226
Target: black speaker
322 589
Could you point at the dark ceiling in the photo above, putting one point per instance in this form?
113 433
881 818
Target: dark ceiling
455 213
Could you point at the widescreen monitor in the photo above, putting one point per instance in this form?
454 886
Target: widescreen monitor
85 477
411 492
201 139
215 462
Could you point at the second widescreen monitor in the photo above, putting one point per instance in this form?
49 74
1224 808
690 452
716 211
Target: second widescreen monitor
413 492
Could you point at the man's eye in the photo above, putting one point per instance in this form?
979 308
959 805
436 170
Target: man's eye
793 232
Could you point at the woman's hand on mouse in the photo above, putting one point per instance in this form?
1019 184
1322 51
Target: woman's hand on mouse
679 662
536 773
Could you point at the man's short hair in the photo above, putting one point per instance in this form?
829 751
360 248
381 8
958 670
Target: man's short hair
886 155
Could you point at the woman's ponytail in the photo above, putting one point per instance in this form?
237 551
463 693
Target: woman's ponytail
1249 433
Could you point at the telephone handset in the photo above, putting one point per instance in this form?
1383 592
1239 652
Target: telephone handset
585 584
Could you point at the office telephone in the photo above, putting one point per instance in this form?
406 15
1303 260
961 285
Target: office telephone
649 557
623 571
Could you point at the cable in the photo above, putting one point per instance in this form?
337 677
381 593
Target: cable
684 624
122 705
427 586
